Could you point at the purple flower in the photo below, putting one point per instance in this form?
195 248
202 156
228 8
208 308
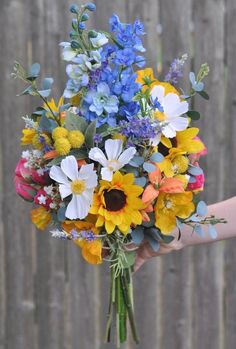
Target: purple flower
176 70
138 129
87 235
97 138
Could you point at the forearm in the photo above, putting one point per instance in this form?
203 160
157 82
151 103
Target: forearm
224 209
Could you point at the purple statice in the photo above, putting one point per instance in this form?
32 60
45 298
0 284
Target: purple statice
97 138
138 129
176 70
87 235
74 234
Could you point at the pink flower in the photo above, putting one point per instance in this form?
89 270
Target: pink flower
24 189
42 179
22 171
42 199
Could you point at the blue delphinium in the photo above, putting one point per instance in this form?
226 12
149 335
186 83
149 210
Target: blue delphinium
129 109
127 86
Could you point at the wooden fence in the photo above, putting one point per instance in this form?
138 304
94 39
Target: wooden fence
51 299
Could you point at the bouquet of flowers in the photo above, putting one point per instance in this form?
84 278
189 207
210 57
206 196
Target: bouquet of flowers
113 164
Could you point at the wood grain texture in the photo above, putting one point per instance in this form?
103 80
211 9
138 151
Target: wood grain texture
209 260
49 297
19 301
230 179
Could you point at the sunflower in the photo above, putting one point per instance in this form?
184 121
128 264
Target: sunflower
170 206
91 250
117 203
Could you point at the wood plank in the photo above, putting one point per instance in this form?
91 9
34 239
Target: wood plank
230 178
19 303
208 260
149 13
176 274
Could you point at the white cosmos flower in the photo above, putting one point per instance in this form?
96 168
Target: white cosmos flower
171 109
79 183
115 158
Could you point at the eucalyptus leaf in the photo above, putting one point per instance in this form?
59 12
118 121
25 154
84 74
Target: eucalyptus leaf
198 229
202 208
89 134
137 235
47 83
61 214
33 72
75 122
137 160
167 239
155 245
149 167
45 93
212 231
151 222
46 124
157 157
194 170
141 181
28 91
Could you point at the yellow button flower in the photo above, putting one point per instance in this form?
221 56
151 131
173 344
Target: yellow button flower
59 132
62 146
76 138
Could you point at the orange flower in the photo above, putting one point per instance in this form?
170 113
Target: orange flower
91 250
159 184
40 217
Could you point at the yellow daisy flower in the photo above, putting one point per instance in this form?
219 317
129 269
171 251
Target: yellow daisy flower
91 250
117 203
170 206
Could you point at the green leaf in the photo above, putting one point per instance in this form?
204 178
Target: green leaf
75 122
79 154
89 134
204 95
194 115
61 214
167 238
151 222
130 259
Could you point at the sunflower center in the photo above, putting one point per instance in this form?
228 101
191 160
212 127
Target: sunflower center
115 199
77 186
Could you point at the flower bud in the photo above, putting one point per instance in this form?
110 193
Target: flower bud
84 17
92 34
74 8
90 6
75 44
81 26
22 171
24 189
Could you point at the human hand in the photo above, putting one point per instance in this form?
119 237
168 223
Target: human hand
145 252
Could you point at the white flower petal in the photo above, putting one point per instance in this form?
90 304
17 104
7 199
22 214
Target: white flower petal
113 148
179 123
107 174
96 154
126 156
77 208
168 131
173 106
156 140
158 92
65 190
58 175
70 167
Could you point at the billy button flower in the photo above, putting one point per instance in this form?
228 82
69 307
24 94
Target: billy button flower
117 203
65 140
